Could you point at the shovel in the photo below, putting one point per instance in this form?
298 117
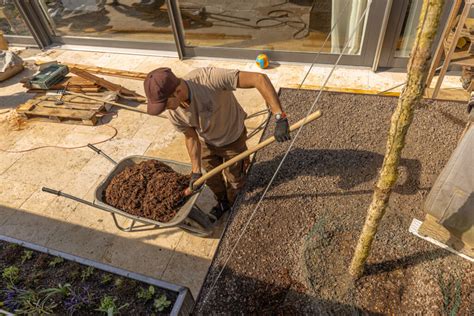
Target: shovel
250 151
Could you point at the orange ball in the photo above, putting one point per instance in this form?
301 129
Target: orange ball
262 61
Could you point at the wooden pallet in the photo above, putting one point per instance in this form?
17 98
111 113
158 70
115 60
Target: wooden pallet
75 110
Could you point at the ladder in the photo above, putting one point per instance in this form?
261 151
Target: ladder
448 44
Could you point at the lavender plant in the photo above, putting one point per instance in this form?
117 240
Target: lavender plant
77 299
11 302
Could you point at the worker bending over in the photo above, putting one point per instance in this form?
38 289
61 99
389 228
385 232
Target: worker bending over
202 105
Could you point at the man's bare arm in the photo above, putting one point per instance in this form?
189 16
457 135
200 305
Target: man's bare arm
263 84
194 149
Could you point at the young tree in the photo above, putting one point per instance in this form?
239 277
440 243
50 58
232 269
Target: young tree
417 69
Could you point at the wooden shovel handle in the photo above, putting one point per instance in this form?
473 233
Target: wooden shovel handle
250 151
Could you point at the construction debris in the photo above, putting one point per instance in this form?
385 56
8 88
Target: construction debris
70 109
10 65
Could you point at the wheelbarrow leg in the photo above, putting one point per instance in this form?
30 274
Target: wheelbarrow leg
197 223
133 227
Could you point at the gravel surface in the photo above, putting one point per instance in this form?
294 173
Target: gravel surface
294 256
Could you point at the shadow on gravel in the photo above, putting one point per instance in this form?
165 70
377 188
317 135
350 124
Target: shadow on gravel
405 262
261 298
352 167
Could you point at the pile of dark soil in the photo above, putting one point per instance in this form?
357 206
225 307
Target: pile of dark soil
36 283
294 256
149 189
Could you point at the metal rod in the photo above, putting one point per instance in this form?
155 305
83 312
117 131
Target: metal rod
100 152
77 199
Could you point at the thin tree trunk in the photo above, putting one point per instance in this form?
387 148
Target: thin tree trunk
418 66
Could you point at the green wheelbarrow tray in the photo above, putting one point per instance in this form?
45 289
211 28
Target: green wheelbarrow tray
189 217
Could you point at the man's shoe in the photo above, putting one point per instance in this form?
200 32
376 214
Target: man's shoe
219 210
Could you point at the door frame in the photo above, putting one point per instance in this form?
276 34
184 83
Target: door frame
388 60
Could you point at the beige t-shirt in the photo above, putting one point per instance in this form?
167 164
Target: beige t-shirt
214 111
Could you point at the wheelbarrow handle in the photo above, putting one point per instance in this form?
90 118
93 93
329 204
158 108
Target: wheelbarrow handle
55 192
97 150
100 152
248 152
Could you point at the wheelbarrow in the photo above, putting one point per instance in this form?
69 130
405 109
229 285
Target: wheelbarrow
189 217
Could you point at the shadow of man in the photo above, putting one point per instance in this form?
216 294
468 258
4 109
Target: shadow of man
351 167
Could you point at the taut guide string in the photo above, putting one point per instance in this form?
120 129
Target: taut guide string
310 110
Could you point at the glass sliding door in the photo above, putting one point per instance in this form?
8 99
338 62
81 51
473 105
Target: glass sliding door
294 25
408 33
401 32
125 20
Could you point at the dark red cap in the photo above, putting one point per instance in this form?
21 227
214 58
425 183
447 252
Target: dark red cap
159 85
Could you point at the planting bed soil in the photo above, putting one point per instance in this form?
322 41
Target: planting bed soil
295 253
150 189
37 283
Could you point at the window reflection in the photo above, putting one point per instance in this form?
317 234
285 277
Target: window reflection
293 25
145 20
11 23
408 33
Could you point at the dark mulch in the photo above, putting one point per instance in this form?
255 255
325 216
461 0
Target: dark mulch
295 253
150 189
37 272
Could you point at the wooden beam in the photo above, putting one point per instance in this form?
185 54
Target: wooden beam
104 71
105 83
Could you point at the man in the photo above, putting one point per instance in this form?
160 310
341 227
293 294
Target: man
203 107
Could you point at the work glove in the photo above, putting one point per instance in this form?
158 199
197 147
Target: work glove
282 130
194 177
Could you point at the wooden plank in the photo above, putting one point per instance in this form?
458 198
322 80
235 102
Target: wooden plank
59 112
415 230
463 58
52 119
104 83
105 71
431 228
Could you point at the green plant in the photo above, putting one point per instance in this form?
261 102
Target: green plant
27 255
118 282
32 303
146 294
12 246
86 273
108 305
11 274
451 291
56 261
106 279
61 290
161 303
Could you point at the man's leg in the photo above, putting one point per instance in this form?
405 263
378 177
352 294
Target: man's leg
236 173
210 160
